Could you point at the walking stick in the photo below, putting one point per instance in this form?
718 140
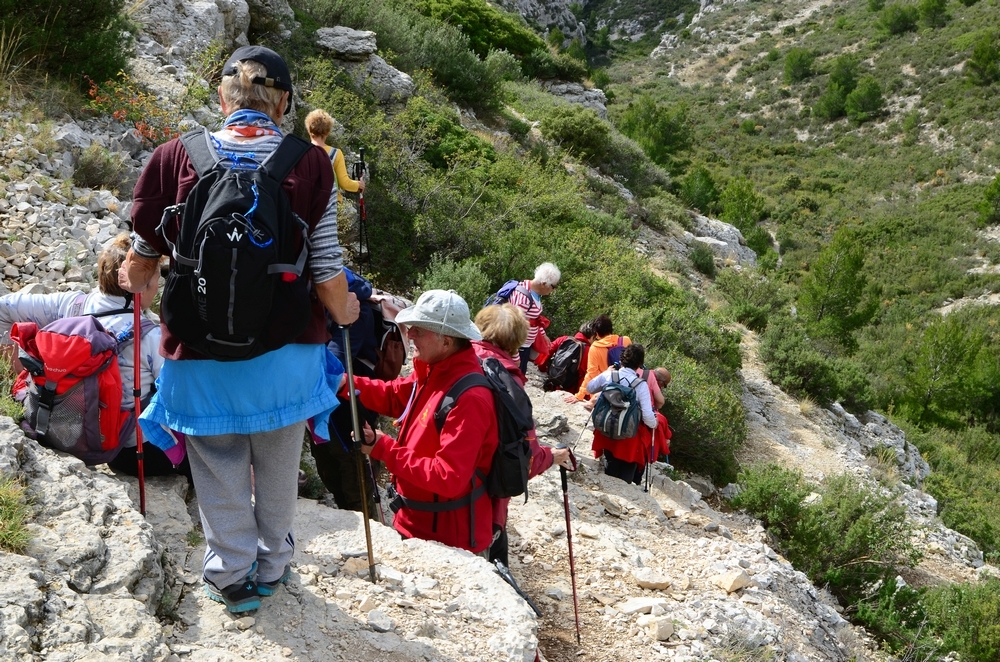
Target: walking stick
137 393
569 540
359 456
363 245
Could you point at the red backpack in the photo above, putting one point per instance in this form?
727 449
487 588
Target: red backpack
71 387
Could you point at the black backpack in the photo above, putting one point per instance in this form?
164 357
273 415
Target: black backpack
564 367
508 476
237 288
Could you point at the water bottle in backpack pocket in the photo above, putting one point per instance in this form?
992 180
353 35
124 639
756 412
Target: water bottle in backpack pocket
616 411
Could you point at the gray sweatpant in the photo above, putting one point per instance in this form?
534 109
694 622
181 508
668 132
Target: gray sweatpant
240 531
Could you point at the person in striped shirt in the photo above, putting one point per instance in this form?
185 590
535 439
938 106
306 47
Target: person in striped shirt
528 297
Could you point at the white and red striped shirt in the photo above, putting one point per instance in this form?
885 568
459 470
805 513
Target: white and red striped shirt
531 305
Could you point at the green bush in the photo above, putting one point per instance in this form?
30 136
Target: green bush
71 38
742 205
831 104
466 278
865 103
849 538
798 65
934 13
543 64
875 6
14 512
898 19
793 364
967 618
703 259
699 191
983 67
487 27
753 297
662 132
989 207
579 130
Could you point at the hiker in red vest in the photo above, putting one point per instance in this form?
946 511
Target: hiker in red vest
657 440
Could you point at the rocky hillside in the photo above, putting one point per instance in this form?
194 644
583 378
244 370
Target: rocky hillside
669 574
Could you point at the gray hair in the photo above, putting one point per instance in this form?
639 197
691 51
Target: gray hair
547 273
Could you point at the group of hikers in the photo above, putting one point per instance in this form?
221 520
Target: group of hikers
242 225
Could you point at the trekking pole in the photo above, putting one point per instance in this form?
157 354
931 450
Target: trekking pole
569 540
359 456
137 393
363 245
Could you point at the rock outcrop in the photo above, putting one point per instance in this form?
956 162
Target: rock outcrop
354 51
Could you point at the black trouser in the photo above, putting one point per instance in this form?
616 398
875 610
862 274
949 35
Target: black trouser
620 469
337 467
524 357
154 462
498 550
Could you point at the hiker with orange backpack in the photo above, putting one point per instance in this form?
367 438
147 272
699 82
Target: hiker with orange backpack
605 351
247 215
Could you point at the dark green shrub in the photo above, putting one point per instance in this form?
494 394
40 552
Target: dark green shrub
793 364
934 13
798 65
698 190
967 618
543 64
831 104
71 38
772 494
989 208
753 297
579 130
897 19
703 259
466 278
865 103
983 67
742 205
968 3
662 132
844 73
600 78
758 240
487 27
875 6
748 126
895 615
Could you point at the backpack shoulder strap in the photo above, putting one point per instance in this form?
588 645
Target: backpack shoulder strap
458 388
283 160
332 154
198 144
615 378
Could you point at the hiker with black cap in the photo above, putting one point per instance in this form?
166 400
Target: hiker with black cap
238 389
438 474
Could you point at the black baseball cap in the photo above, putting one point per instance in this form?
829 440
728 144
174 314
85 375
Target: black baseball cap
277 70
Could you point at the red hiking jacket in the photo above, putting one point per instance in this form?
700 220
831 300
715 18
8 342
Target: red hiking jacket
541 456
427 465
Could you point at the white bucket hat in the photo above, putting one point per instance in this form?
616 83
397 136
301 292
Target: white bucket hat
442 312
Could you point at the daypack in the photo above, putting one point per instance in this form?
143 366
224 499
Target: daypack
616 412
237 287
508 475
71 387
391 348
615 353
502 295
564 367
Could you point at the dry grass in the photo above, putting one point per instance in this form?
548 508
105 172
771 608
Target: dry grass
808 407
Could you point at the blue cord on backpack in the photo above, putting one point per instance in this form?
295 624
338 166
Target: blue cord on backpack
249 217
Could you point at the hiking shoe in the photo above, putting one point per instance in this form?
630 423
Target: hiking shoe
268 588
237 597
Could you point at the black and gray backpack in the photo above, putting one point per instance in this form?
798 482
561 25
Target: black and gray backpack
237 288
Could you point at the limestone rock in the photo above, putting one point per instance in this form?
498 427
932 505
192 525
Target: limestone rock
732 581
651 579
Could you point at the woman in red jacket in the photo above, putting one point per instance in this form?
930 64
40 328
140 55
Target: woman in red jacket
504 329
436 472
